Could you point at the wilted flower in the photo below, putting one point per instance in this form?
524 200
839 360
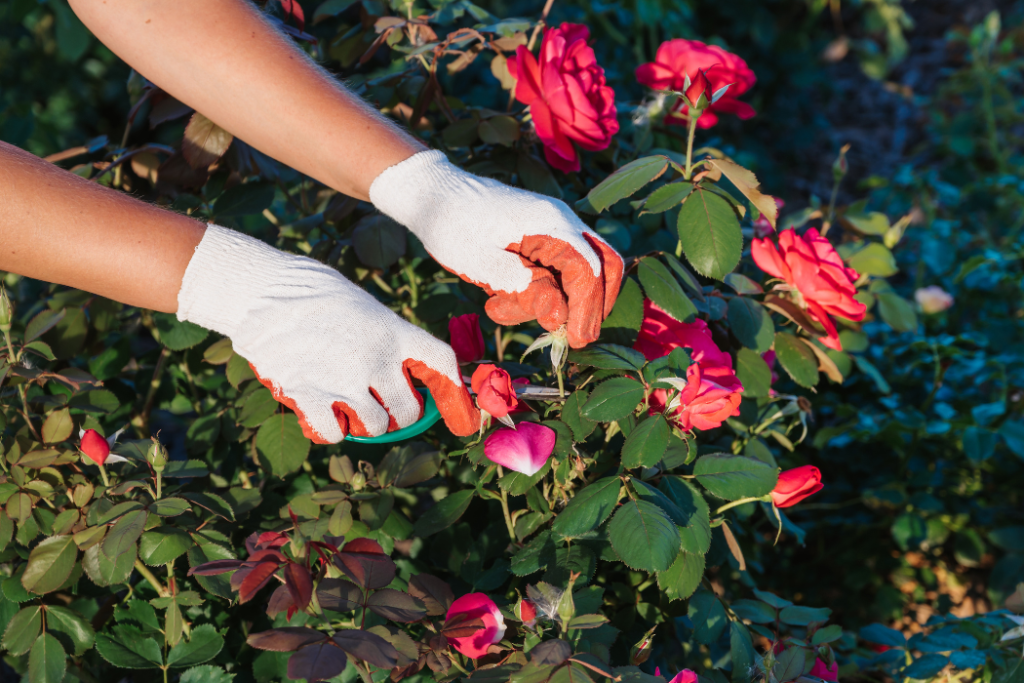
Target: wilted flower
933 299
477 606
466 338
814 272
567 95
680 60
494 390
795 485
524 449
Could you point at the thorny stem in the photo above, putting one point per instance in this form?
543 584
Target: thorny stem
504 507
364 672
830 216
141 422
689 145
148 576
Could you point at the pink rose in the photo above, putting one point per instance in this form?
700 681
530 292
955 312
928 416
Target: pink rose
477 606
933 299
684 676
825 673
567 95
812 269
660 333
494 390
466 338
679 58
712 394
524 449
795 485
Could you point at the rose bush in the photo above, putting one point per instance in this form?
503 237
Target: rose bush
650 509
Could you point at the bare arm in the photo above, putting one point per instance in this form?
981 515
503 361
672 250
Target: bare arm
57 227
223 59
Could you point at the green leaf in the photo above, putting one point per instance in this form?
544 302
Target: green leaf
106 571
572 415
735 476
753 373
177 335
122 536
828 634
627 180
710 234
21 633
209 673
664 290
71 628
379 241
643 536
204 645
213 503
680 580
50 564
979 444
203 433
169 507
535 555
42 322
883 635
628 312
608 357
613 399
708 617
646 443
772 599
926 667
47 661
588 508
874 259
696 534
58 426
897 312
873 223
796 359
163 544
144 653
751 323
445 513
755 610
281 446
243 200
795 615
674 364
667 197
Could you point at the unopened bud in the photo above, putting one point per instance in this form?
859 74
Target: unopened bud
157 456
6 311
840 166
641 652
358 481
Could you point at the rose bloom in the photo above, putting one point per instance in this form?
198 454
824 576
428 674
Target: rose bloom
679 58
815 273
660 333
825 673
477 606
711 395
762 228
933 299
524 449
567 95
795 485
494 390
466 338
684 676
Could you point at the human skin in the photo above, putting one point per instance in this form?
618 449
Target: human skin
248 79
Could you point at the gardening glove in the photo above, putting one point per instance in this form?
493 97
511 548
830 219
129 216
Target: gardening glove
529 252
325 348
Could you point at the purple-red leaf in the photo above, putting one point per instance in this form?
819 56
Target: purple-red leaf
280 601
286 639
339 595
215 567
316 662
257 579
435 594
368 647
366 563
299 583
396 605
462 626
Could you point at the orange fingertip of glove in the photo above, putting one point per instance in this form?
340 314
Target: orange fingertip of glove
453 400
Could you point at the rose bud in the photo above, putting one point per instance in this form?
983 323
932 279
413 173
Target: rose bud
795 485
526 612
699 88
494 390
477 606
95 447
466 338
524 449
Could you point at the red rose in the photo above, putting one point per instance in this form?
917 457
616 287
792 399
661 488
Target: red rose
477 606
698 87
660 333
823 284
711 395
825 673
567 95
679 58
795 485
494 390
95 446
466 338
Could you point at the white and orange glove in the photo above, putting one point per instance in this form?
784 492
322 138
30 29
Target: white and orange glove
529 252
325 347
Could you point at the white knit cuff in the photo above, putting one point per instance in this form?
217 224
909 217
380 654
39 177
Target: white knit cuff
400 190
222 281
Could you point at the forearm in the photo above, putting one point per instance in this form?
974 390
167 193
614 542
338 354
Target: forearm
57 227
223 59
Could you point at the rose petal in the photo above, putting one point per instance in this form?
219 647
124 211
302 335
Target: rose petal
524 449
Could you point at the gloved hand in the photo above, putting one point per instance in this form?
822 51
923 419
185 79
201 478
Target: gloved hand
529 252
326 348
